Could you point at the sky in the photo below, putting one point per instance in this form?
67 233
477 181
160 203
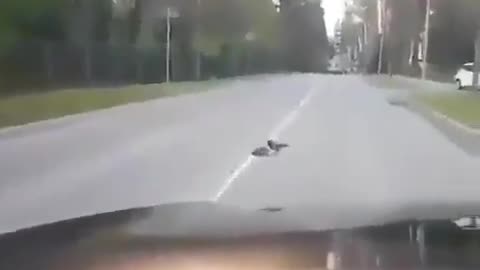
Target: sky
334 10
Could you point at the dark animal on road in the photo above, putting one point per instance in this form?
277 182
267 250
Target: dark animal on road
262 152
276 146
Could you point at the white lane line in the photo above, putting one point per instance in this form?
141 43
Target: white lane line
284 124
233 177
290 118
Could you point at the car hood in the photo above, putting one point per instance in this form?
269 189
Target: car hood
50 245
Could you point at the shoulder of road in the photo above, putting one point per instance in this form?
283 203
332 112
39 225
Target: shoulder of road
32 108
461 108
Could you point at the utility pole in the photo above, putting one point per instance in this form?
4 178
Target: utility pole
476 66
425 39
422 248
169 32
198 56
381 32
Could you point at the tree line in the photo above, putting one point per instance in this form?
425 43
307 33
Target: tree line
210 37
453 30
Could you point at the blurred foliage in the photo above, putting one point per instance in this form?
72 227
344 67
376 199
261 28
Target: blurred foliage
27 19
102 19
460 106
264 21
453 29
88 20
56 43
53 20
228 22
304 37
134 21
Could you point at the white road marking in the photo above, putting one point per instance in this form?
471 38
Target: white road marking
284 124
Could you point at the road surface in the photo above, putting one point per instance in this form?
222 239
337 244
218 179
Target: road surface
349 146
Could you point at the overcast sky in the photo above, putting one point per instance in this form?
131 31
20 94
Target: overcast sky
334 10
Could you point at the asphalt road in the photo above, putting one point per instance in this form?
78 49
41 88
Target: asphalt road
349 146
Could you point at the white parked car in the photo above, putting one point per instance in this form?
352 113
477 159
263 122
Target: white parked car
464 76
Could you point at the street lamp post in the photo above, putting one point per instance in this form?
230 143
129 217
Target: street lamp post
249 37
168 48
198 56
426 39
381 32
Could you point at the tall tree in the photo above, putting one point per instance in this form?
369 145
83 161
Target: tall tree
134 21
29 19
89 20
103 13
125 21
228 21
473 14
403 29
304 35
456 21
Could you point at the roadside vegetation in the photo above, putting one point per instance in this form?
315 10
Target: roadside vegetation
407 83
18 110
460 106
87 44
49 44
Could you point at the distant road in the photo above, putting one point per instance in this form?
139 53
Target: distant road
348 146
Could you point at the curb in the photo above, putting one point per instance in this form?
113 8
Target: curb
455 123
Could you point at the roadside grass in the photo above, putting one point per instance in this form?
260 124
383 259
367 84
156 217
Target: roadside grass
406 83
18 110
387 82
463 107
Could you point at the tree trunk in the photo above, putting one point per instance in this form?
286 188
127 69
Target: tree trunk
87 64
139 70
81 26
198 56
476 70
48 64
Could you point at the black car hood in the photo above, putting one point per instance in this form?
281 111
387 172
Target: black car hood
209 219
49 245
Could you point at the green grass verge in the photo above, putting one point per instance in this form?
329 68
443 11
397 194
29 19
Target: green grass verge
387 82
24 109
405 83
460 106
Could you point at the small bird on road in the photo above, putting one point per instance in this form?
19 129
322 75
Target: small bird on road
262 152
273 149
276 146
